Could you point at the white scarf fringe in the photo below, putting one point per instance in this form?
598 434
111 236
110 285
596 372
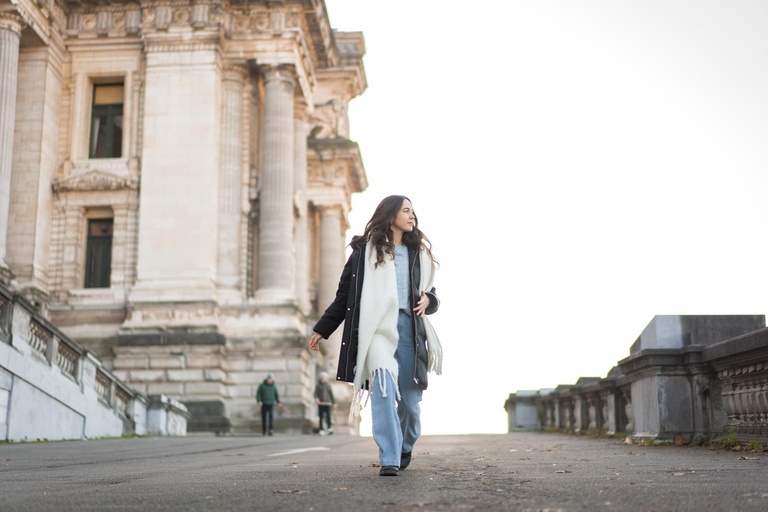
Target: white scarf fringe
434 348
377 330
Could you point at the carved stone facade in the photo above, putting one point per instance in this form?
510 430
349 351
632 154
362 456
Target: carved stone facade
224 192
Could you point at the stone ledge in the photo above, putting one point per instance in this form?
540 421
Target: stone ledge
144 340
754 344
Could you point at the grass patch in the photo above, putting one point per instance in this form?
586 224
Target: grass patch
726 442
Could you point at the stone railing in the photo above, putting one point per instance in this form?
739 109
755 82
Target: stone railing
52 388
679 380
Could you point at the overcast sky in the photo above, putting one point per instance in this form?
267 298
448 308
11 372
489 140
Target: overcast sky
580 166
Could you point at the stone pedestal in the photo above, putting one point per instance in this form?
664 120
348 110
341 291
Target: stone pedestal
10 34
275 282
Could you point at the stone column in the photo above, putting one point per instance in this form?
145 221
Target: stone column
230 181
300 186
276 253
10 34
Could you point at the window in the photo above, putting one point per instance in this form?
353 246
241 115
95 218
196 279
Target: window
98 253
107 121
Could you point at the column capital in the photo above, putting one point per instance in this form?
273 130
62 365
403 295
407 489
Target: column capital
330 209
12 22
235 73
279 72
300 108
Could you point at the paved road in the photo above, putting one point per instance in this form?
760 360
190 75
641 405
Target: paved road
525 471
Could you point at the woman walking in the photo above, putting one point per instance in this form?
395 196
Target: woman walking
388 345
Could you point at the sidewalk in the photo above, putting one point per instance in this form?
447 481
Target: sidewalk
520 471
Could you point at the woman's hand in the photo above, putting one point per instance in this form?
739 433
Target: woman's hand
314 341
422 306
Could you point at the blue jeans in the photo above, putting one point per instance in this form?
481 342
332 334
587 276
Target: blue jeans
397 424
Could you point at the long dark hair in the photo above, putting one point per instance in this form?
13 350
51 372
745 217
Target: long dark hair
378 230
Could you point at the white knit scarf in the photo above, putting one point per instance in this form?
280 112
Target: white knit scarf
377 330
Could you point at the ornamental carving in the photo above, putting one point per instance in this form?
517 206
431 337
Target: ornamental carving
349 48
89 22
260 21
147 16
292 19
95 181
118 20
181 15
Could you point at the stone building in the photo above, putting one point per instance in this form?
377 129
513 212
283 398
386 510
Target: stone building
175 180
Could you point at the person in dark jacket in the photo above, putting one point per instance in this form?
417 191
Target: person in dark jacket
388 345
267 397
325 402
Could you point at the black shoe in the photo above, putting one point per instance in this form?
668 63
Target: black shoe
388 471
405 459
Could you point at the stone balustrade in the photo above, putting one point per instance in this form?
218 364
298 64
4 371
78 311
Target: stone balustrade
696 376
51 388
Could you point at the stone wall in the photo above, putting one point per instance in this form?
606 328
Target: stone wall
52 388
681 378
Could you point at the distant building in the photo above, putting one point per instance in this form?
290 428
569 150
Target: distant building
175 180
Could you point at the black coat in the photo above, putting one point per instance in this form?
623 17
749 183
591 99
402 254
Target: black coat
346 308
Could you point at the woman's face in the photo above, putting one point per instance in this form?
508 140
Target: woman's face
405 220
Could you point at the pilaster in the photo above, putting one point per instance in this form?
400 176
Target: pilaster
331 265
300 186
230 185
10 34
38 101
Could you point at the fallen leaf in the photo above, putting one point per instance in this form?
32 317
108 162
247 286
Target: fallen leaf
628 440
737 448
524 481
292 491
6 460
423 453
490 466
339 489
748 458
375 465
562 471
630 453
